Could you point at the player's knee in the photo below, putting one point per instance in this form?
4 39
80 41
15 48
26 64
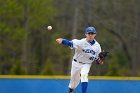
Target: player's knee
84 77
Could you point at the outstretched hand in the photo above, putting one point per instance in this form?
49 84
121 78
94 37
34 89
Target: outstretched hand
59 40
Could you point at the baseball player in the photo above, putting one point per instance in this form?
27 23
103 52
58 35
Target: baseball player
86 51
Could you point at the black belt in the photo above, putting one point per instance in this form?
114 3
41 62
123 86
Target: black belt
78 62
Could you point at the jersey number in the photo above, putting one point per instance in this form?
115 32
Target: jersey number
91 58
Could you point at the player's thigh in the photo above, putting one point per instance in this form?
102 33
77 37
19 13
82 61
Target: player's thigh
84 72
85 69
76 68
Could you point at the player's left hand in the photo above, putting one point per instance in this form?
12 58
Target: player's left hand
102 56
100 61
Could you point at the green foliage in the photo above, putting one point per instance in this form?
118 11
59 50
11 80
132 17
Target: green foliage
118 65
113 66
17 69
48 68
26 43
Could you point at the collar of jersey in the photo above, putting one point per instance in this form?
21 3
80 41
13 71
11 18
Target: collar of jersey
92 42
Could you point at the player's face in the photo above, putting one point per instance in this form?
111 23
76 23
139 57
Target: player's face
90 36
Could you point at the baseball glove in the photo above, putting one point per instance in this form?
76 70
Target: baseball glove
103 55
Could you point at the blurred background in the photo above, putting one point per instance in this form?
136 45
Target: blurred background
28 48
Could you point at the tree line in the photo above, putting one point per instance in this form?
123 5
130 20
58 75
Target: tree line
27 47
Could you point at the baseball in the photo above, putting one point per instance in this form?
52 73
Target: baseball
49 28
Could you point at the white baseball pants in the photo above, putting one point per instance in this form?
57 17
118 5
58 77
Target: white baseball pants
78 71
